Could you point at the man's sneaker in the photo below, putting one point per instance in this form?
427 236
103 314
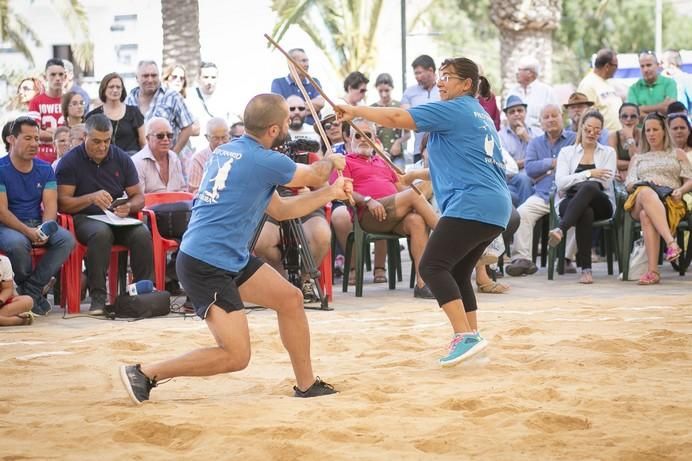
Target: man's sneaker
98 304
318 389
423 292
41 306
136 383
462 347
519 267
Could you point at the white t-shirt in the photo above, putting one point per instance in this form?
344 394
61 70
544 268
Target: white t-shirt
305 132
536 96
5 269
605 99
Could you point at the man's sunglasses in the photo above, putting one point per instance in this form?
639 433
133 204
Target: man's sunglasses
296 108
368 134
162 136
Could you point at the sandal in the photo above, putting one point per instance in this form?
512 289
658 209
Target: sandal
586 277
650 278
673 251
554 237
27 318
381 277
352 277
493 288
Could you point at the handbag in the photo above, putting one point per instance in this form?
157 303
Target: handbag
661 191
142 306
172 218
638 260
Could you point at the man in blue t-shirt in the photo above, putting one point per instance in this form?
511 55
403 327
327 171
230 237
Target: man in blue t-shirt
285 86
90 177
27 185
215 266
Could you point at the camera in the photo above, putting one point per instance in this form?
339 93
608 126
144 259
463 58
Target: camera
298 149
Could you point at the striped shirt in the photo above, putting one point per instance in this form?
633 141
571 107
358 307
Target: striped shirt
168 104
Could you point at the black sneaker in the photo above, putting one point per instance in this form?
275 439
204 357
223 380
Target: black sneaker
98 304
423 292
136 383
318 389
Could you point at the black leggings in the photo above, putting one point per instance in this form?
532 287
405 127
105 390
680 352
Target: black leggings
450 256
589 204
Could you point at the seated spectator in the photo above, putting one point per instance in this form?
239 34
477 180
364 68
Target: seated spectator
216 134
584 180
333 128
384 201
576 105
626 140
90 177
158 167
541 160
77 135
657 181
14 309
237 130
28 198
515 139
61 142
355 86
297 128
680 131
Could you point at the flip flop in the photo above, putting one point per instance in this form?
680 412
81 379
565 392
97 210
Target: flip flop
379 278
493 288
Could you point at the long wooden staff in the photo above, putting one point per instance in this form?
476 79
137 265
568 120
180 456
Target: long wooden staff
378 150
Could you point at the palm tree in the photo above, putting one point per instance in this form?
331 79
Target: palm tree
180 20
15 30
344 30
526 28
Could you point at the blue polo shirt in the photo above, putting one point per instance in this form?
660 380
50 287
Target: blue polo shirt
25 190
239 180
114 174
285 86
466 165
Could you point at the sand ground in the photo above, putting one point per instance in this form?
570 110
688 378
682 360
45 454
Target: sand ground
602 372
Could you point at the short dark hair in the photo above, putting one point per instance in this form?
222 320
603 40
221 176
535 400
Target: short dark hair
207 64
103 86
98 122
464 68
354 80
603 57
19 122
484 87
6 134
628 104
384 79
54 62
424 61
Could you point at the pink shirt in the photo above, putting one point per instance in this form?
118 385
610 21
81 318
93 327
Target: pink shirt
371 176
196 169
150 174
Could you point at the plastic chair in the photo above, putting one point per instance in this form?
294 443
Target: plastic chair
36 255
73 269
162 246
610 231
326 278
361 239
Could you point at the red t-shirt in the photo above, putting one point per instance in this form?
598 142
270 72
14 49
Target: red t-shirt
48 113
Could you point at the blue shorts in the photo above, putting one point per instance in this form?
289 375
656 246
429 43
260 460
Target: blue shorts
206 284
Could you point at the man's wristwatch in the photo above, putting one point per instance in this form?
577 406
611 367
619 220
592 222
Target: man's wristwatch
588 174
366 199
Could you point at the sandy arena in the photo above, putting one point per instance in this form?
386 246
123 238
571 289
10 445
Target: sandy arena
601 372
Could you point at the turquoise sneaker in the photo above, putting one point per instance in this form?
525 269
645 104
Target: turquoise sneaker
462 347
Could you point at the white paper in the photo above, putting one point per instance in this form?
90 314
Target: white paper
114 220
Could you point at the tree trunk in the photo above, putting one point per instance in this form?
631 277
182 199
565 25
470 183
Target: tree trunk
526 29
180 20
516 44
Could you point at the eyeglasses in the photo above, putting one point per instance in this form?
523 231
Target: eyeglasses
162 136
629 116
296 108
445 77
330 125
366 133
223 138
176 77
77 103
673 115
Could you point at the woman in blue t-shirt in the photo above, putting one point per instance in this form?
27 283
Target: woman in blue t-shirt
468 176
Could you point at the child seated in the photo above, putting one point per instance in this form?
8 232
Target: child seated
14 309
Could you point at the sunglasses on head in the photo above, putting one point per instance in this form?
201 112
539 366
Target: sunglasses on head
366 133
162 136
296 108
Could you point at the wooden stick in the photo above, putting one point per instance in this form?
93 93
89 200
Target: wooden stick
299 82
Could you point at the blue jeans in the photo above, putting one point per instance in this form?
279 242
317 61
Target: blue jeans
521 187
17 247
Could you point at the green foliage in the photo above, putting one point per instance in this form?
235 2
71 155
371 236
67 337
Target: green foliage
343 29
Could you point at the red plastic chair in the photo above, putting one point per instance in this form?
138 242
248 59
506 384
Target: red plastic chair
162 246
36 255
72 269
326 264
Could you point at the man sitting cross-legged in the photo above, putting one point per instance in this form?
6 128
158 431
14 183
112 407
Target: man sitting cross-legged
384 202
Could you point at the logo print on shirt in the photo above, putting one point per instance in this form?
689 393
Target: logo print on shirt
489 145
220 180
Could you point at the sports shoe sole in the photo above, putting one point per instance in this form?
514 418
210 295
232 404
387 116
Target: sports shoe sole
482 344
127 385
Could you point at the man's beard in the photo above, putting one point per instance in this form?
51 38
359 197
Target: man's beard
280 140
296 124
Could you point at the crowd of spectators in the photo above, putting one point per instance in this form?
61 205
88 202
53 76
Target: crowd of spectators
76 155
